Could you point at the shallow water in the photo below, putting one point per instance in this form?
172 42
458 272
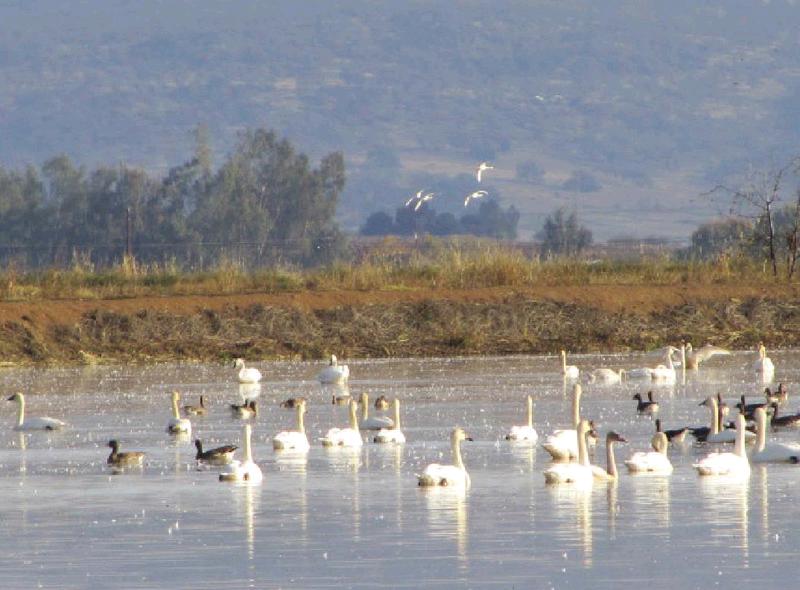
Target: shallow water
336 518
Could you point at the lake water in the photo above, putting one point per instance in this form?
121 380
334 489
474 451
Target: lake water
341 519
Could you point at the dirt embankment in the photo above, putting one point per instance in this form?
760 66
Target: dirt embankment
419 322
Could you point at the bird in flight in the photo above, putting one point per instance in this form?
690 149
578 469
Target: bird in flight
417 197
422 199
480 169
475 195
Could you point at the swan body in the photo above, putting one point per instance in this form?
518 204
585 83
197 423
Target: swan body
610 472
196 410
715 435
334 372
662 373
374 422
578 473
36 422
655 462
562 445
764 366
394 434
454 475
702 354
246 410
733 464
129 459
482 167
344 437
178 425
771 452
607 376
569 371
245 470
246 374
293 440
217 456
526 432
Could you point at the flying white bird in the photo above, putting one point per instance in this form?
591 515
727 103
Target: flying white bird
412 198
481 167
422 199
475 195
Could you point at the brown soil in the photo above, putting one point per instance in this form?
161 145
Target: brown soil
414 322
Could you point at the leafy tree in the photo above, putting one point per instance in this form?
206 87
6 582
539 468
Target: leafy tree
379 223
563 235
725 236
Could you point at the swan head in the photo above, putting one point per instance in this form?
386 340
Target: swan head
615 437
17 397
238 363
459 435
334 361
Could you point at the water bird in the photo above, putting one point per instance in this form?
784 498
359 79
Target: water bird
474 195
763 366
381 402
127 459
787 421
655 461
577 473
293 440
246 374
780 396
606 376
344 437
773 452
292 402
733 464
749 409
481 168
393 434
375 422
568 371
702 354
334 372
423 199
562 445
246 410
610 471
675 435
199 410
246 470
454 475
662 373
646 407
36 422
413 198
526 432
217 456
714 434
176 424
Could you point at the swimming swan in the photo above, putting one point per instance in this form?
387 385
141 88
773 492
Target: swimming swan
246 470
607 376
773 452
178 425
733 464
35 423
454 475
656 462
246 374
578 473
661 374
374 423
293 440
569 371
610 472
217 456
128 459
394 434
728 435
563 444
527 432
344 437
334 372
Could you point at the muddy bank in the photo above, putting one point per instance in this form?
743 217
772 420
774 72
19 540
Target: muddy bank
502 322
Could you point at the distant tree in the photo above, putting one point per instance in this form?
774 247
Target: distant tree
530 171
725 236
379 223
563 235
492 221
581 182
445 224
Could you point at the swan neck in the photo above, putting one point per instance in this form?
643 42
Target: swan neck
456 444
20 410
740 429
576 406
397 414
175 413
583 455
611 463
563 361
714 416
761 430
353 417
301 427
530 412
364 406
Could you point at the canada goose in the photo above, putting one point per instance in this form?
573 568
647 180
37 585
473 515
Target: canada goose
128 459
780 396
292 402
454 475
525 432
773 452
218 456
334 372
246 374
340 400
176 424
344 437
610 472
733 464
375 422
676 435
195 410
788 421
381 402
293 440
34 423
577 473
393 434
246 410
656 461
646 407
749 409
246 470
568 371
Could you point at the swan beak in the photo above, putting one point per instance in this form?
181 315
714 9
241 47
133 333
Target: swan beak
12 398
469 438
622 439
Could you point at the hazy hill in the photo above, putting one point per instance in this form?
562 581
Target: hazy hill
625 110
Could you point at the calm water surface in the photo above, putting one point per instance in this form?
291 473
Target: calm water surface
338 518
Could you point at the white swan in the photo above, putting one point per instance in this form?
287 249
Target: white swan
423 199
695 357
563 444
661 374
35 423
733 464
606 376
527 432
474 195
569 371
294 440
375 422
246 374
763 366
334 372
483 166
578 473
728 435
245 470
176 424
454 475
773 452
344 437
610 472
393 434
656 462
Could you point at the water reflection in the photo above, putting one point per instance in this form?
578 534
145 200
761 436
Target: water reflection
447 516
725 501
249 391
523 452
572 508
